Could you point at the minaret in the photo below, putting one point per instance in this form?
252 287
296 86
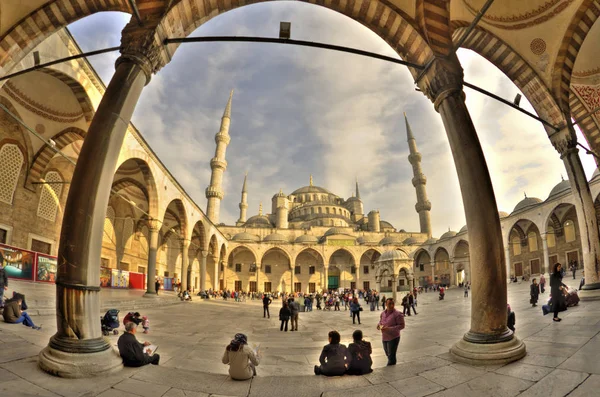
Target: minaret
419 180
357 192
243 203
214 192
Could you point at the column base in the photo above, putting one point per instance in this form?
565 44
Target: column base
488 353
590 292
150 295
79 365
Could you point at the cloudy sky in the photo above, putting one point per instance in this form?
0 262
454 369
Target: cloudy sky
301 111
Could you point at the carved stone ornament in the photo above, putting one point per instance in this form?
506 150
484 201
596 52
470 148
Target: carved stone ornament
443 78
564 141
144 46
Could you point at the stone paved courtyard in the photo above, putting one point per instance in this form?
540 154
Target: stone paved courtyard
561 357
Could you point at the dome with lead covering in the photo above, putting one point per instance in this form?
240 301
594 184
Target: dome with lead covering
393 255
246 237
258 221
275 238
448 234
391 240
526 203
307 239
563 187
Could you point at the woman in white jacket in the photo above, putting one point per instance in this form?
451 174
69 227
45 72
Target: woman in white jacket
241 358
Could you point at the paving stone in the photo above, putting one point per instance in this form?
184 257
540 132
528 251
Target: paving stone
416 386
139 388
452 375
524 371
488 385
582 362
186 393
590 387
542 360
6 375
369 391
302 386
557 383
22 387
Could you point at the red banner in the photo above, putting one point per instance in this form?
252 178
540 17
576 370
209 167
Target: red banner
137 280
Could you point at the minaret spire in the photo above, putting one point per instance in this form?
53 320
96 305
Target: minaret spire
244 203
357 192
214 192
419 180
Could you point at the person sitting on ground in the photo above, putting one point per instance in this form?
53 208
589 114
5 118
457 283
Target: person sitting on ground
242 359
14 315
334 357
134 317
360 355
132 352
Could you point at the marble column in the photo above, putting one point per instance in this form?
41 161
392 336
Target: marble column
224 272
565 142
204 254
292 269
378 283
78 348
258 288
546 255
394 286
325 279
507 256
153 228
432 272
488 341
185 263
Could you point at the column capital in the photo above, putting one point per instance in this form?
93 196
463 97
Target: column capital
154 225
204 253
564 141
443 78
185 243
143 45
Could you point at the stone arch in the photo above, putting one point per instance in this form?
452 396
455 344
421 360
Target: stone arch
124 183
433 17
18 133
341 250
314 252
501 55
443 266
581 23
553 218
176 209
78 90
417 257
50 196
371 259
285 252
198 237
459 247
43 156
520 232
149 187
34 28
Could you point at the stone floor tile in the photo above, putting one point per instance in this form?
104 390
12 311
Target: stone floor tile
5 375
416 386
557 383
452 375
488 385
115 393
140 388
368 391
582 362
21 387
302 386
173 392
542 360
590 387
524 371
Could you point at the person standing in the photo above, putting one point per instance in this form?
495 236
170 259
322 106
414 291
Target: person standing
3 281
376 299
157 285
266 302
535 292
574 269
582 282
405 307
284 316
382 302
318 298
355 310
294 310
466 290
411 303
542 283
391 322
556 290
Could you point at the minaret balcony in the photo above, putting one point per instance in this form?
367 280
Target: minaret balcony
419 180
221 137
424 206
218 163
414 158
243 206
214 192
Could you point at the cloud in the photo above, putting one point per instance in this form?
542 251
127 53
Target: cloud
300 111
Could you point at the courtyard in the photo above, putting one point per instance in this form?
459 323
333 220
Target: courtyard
561 357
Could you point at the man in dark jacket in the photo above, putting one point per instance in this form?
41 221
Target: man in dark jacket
294 309
3 281
266 302
132 351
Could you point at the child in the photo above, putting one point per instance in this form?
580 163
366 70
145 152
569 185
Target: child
146 324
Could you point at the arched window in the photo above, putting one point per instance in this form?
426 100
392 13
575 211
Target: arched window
533 243
551 237
516 245
11 161
334 212
320 210
327 210
50 197
569 228
312 210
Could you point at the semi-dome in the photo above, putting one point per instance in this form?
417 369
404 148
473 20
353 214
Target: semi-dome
392 255
463 229
391 240
503 214
259 221
307 239
526 203
410 241
275 238
448 234
368 240
385 225
563 187
246 237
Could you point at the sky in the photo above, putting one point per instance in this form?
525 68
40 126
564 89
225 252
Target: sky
339 117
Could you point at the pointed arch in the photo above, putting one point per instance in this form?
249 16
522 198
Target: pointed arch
313 252
50 196
43 156
340 250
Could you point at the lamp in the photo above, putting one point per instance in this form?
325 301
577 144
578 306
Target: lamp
285 29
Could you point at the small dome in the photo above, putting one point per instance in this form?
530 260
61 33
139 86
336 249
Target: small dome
352 199
385 225
310 189
392 255
432 240
410 241
526 203
276 238
280 194
391 240
259 221
246 237
368 240
463 229
334 231
563 187
448 234
503 214
307 239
